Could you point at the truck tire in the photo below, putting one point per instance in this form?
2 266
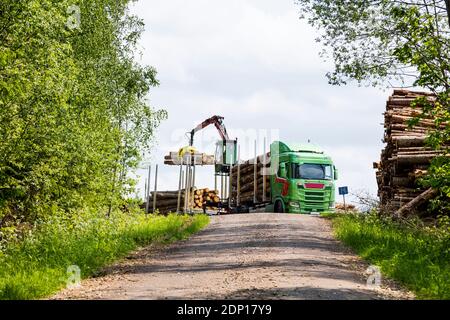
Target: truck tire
279 207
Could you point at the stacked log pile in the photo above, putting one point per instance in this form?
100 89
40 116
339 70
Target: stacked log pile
247 181
167 201
205 197
347 207
406 156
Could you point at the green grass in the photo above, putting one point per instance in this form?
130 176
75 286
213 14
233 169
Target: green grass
328 215
419 258
36 266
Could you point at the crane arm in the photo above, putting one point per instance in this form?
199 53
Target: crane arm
218 123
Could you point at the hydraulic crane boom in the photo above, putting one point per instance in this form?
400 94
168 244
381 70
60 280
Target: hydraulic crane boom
226 152
225 157
217 121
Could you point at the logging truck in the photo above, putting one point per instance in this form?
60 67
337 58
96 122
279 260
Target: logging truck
289 179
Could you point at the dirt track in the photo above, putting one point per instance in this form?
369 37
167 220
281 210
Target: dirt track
254 256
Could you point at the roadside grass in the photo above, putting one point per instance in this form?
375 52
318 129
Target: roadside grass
418 257
37 266
329 215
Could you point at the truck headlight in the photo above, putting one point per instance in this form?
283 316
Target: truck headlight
294 204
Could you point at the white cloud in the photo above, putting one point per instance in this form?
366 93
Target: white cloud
182 35
255 63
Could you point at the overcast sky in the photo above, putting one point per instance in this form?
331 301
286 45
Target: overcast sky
255 63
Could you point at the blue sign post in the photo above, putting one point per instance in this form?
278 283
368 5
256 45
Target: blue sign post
343 191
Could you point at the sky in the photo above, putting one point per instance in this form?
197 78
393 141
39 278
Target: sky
257 64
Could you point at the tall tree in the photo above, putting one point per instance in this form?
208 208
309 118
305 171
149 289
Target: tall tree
73 114
393 43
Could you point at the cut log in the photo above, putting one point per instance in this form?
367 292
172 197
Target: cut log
402 181
416 159
416 202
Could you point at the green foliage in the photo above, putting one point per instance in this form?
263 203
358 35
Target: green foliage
74 121
73 114
375 41
379 42
416 255
37 266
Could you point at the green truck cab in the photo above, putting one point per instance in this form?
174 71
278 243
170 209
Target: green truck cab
302 179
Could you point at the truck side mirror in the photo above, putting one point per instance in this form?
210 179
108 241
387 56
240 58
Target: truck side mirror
283 171
336 174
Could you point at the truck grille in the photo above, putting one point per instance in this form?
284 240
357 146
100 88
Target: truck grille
314 195
315 200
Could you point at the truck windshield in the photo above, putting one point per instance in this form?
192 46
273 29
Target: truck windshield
313 171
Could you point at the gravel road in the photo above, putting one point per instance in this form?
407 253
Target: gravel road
252 256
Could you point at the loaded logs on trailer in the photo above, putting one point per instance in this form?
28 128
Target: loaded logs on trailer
167 201
406 156
249 172
173 159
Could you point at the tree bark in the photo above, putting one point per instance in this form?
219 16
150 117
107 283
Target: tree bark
447 5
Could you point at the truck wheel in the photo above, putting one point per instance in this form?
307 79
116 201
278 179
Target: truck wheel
279 207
